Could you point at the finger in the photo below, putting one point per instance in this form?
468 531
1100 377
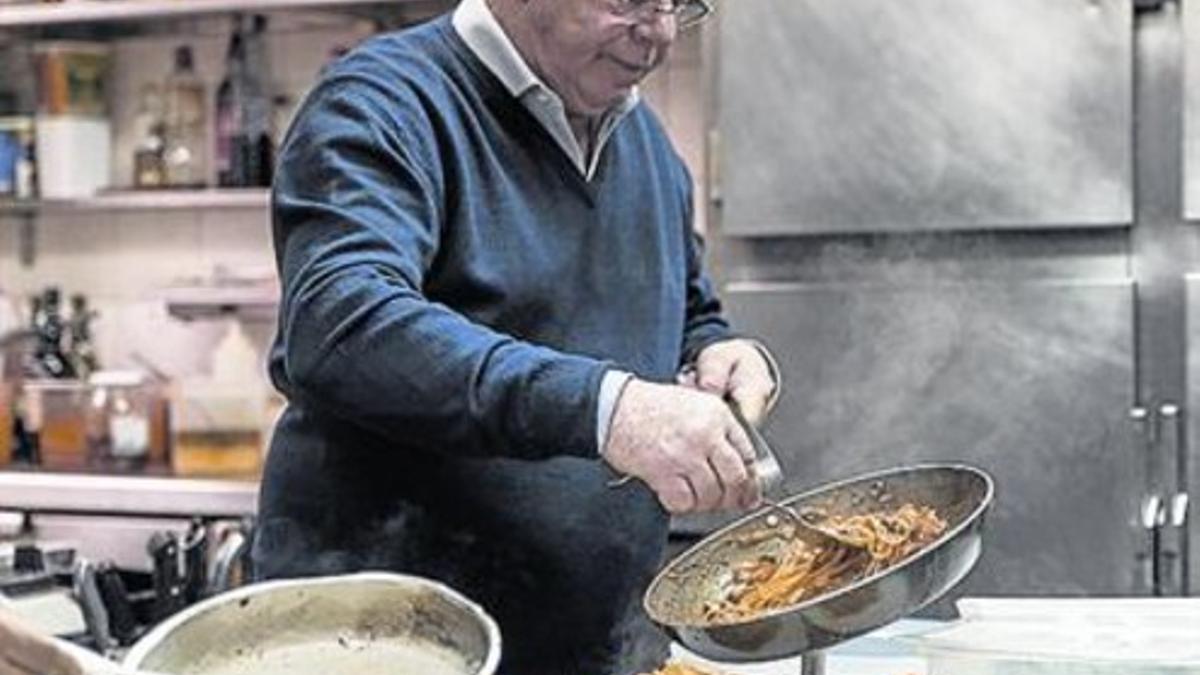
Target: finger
751 386
713 370
736 435
752 402
706 485
23 647
733 474
675 495
8 668
687 378
751 494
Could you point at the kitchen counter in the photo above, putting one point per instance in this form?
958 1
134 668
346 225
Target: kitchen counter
873 654
151 497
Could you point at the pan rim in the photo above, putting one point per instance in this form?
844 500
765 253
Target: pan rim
157 635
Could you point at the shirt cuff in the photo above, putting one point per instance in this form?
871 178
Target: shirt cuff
610 390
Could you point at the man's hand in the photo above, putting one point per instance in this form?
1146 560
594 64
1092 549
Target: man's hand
685 444
736 369
23 652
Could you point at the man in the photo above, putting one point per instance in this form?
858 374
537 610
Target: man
491 287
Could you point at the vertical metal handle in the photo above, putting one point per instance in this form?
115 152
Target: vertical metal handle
1151 517
1175 447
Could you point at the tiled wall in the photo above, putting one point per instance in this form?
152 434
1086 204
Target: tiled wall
121 259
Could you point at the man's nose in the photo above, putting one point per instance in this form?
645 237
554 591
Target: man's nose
658 29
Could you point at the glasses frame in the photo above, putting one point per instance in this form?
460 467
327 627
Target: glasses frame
688 13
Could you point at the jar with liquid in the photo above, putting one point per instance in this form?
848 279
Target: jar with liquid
122 408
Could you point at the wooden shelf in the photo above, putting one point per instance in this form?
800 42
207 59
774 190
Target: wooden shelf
36 15
155 200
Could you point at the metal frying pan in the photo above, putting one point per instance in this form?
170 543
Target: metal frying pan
960 494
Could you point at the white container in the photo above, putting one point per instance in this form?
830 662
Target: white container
73 156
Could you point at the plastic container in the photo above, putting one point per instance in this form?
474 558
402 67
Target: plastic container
74 156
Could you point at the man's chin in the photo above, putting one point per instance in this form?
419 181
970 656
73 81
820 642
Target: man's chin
602 104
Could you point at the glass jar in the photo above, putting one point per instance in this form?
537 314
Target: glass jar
123 405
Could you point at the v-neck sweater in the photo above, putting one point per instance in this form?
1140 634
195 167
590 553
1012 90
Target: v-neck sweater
451 277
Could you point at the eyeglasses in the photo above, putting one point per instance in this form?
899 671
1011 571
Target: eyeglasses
688 13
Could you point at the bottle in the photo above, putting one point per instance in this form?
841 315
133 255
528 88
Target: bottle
149 168
82 348
245 149
229 107
26 169
184 153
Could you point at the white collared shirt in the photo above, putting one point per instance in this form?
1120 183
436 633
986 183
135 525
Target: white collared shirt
478 27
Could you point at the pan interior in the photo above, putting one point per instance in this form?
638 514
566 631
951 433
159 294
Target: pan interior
364 629
700 575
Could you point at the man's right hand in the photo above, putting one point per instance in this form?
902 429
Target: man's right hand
685 444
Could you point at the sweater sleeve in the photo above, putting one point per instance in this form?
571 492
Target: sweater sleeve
357 221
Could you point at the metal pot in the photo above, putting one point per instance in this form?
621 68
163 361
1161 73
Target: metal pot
359 624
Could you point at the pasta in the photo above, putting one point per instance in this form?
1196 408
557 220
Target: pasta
867 544
679 669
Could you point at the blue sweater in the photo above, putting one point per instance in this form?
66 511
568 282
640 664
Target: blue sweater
453 292
449 275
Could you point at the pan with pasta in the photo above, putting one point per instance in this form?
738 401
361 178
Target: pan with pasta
764 588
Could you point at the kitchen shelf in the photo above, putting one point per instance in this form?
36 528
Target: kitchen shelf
35 15
149 200
259 301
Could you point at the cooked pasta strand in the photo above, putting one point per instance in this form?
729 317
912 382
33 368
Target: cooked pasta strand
872 542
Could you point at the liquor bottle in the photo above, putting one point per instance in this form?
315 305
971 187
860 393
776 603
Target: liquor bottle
149 168
245 149
82 352
184 155
229 107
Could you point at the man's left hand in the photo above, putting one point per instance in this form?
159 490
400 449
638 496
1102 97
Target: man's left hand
738 370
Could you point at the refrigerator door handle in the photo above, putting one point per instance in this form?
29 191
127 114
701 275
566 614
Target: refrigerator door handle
1180 505
1152 515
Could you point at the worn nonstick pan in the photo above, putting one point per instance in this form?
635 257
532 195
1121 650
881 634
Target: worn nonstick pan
960 494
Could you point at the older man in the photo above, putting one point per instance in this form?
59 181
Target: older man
491 285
